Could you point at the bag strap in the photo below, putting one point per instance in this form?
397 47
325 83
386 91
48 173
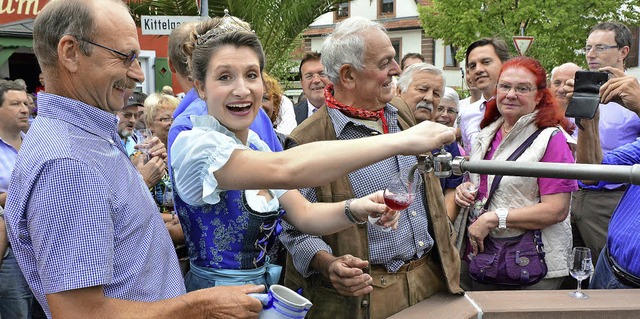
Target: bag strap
512 157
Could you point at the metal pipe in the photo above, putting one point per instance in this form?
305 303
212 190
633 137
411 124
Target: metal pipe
204 8
593 172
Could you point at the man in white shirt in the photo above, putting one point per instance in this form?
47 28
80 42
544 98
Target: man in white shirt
484 60
313 80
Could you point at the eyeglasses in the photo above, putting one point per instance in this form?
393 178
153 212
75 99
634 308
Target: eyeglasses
127 58
450 111
165 120
599 48
129 115
520 89
309 76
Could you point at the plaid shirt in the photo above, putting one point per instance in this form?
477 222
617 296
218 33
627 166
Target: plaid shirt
79 214
390 249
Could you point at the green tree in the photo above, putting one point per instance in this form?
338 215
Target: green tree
278 23
560 27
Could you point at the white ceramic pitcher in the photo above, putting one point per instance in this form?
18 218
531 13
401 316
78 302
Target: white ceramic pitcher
282 303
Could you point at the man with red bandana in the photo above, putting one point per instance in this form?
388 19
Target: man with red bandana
364 272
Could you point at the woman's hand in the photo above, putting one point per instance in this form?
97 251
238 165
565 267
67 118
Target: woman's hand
479 230
463 197
373 205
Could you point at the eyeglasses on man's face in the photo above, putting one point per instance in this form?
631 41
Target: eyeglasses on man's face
598 48
519 89
310 76
127 58
129 115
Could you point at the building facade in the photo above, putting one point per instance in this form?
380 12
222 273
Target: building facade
400 18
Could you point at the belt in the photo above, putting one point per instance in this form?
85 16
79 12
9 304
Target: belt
408 265
623 276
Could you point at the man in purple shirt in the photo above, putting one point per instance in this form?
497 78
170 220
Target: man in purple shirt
591 208
619 264
15 296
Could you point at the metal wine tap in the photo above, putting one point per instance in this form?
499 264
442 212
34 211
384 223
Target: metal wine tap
439 163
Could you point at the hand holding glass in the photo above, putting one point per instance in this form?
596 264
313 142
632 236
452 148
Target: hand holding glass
142 138
469 179
580 268
399 194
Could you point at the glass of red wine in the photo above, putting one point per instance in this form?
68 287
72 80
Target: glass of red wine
399 194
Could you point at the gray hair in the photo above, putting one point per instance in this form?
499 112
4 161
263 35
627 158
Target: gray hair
60 18
211 35
451 95
405 80
346 46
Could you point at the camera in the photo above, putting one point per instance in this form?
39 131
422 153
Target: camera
586 94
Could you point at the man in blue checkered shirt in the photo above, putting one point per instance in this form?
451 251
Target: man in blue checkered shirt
84 228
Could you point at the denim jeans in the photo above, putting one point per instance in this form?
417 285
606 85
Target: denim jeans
603 276
15 296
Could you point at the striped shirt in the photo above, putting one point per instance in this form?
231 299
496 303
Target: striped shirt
79 214
390 249
623 238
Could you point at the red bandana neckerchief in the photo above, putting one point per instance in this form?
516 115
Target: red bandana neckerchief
352 111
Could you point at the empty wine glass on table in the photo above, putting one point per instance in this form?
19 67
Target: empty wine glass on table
580 268
399 194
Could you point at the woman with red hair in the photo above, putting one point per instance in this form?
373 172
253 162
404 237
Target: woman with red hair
522 106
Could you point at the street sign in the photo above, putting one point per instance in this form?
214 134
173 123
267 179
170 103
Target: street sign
162 25
522 43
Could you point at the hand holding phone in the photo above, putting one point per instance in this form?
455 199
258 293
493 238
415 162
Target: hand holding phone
586 94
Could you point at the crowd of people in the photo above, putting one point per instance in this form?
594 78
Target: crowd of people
121 204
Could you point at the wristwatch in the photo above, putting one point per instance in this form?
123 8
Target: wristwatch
502 217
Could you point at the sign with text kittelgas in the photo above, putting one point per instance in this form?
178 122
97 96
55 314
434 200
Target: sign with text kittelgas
162 25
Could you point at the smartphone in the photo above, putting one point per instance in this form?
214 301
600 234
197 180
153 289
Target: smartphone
586 94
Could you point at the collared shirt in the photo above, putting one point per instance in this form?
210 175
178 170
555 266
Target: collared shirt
469 122
79 214
390 249
128 143
188 98
8 155
623 238
311 108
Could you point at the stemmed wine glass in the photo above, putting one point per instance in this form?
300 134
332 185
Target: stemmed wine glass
142 138
399 194
580 268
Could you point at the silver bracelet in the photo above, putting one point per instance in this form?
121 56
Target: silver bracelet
349 214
